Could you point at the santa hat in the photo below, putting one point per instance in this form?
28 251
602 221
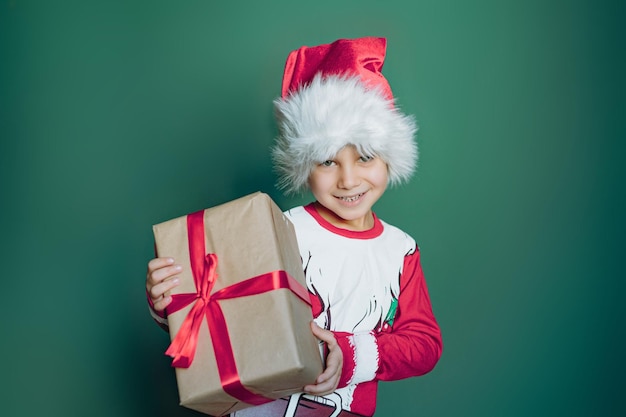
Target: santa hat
334 95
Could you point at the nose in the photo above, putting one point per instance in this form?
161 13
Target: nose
348 177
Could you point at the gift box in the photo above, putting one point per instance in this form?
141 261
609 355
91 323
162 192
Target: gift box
240 317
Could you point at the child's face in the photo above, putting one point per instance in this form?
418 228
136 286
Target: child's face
347 186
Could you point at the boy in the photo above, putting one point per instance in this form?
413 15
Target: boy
342 138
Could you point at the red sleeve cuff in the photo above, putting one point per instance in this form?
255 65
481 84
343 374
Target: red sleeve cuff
346 344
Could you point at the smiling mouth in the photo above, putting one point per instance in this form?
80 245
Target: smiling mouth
351 198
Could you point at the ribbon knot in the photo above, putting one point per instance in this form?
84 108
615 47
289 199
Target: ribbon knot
183 347
203 269
209 276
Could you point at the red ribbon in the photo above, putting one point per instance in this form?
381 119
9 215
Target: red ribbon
203 268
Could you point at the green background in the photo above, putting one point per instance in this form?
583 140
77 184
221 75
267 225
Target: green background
116 115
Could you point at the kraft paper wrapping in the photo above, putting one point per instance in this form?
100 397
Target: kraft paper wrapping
274 349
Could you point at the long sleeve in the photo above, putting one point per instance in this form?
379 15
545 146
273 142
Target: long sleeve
409 346
412 345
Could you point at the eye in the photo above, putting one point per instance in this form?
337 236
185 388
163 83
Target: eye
327 163
366 158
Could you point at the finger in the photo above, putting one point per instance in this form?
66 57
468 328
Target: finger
157 263
333 364
160 275
334 359
323 334
162 303
159 291
331 372
320 389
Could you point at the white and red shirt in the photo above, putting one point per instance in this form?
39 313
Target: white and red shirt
369 289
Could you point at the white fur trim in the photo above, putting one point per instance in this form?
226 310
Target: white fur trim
366 357
318 120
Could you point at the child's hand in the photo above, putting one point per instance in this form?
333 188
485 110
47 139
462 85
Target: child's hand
159 281
328 380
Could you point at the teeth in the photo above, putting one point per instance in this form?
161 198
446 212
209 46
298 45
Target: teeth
351 199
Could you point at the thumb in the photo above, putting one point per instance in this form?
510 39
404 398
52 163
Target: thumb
322 334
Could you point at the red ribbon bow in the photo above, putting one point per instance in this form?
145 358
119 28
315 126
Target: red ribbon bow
203 267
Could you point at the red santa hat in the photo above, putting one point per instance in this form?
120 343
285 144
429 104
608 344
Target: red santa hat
334 95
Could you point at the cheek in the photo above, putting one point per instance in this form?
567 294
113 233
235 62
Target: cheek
380 175
317 183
